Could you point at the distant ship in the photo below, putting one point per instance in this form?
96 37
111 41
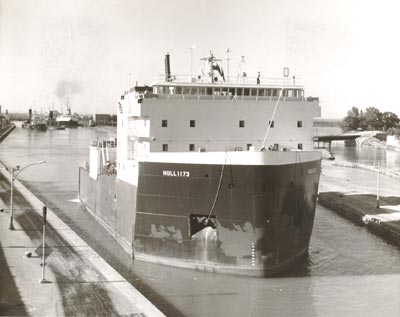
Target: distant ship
67 120
211 173
34 122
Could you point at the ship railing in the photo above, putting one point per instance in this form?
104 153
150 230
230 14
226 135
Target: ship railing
231 80
105 143
233 98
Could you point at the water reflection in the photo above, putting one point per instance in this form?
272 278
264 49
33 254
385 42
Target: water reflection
349 271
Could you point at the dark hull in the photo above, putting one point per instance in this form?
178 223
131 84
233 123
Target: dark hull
254 220
68 124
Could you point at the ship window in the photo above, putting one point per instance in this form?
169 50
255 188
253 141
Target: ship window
165 147
224 91
178 90
241 123
246 92
231 92
186 90
164 123
300 146
268 92
284 93
239 91
299 124
191 147
217 91
253 92
261 92
271 123
192 123
209 91
274 92
194 91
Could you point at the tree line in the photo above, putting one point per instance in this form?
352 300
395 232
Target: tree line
371 119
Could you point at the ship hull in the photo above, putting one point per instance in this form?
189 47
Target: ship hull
252 220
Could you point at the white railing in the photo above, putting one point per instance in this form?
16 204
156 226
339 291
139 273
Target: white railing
231 81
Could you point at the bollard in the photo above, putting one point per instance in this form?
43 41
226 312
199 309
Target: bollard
43 280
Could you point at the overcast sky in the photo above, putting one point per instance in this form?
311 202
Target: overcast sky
346 52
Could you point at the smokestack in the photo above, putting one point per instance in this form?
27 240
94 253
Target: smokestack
51 114
30 114
167 68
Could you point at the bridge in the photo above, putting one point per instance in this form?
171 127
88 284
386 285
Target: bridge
329 138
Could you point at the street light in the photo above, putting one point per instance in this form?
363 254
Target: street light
19 169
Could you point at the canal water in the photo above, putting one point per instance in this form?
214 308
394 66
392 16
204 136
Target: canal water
349 272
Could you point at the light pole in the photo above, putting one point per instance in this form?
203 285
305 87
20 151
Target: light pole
14 176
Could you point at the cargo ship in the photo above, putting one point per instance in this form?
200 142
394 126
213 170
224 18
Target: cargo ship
35 122
212 173
67 120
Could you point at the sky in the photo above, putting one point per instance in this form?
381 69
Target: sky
345 52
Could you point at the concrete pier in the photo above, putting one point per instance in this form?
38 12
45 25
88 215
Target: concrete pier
352 193
81 283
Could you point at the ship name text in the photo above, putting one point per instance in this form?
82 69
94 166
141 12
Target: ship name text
176 173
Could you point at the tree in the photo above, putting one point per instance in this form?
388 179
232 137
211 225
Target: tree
352 120
389 120
373 118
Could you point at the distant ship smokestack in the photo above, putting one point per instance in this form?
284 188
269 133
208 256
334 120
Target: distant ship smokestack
167 68
30 115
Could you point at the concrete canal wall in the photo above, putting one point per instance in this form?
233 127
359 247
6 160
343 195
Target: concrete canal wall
6 131
351 193
80 283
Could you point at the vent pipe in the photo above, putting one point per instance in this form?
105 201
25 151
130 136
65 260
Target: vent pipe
167 68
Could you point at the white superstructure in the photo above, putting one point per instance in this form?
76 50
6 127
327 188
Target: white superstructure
183 114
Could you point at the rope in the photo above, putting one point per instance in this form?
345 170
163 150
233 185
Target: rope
272 119
218 189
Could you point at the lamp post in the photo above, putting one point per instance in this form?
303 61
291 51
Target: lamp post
14 176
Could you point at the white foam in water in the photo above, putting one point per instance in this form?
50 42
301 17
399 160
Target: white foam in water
76 200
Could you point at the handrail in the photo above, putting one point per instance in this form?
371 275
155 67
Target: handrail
231 81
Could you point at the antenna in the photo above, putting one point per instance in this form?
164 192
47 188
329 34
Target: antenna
227 63
191 60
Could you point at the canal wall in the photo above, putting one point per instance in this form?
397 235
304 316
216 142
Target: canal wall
80 281
5 132
362 210
352 194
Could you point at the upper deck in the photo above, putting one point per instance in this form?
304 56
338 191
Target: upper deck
200 88
211 83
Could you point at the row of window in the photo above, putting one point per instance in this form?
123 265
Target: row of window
192 123
228 91
249 146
